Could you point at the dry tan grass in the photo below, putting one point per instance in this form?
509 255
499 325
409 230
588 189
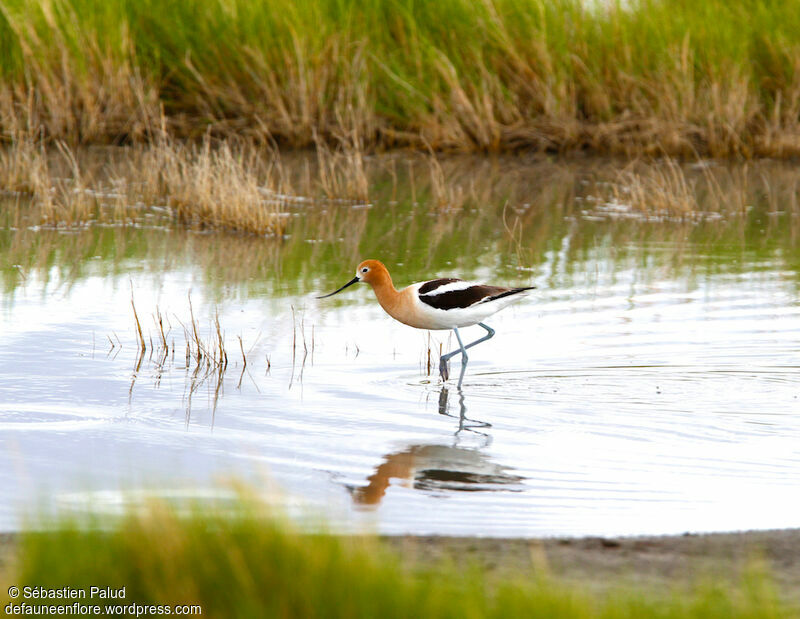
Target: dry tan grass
54 179
23 166
229 184
223 187
670 188
662 188
341 171
667 187
447 195
243 187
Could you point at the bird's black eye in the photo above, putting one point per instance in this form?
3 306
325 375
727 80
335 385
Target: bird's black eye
364 270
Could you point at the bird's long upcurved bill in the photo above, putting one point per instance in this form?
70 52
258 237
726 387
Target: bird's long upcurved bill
350 283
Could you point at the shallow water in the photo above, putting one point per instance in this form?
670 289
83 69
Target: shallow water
650 384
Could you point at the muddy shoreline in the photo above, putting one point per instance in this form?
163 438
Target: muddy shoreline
649 563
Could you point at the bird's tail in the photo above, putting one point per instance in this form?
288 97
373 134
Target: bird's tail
510 292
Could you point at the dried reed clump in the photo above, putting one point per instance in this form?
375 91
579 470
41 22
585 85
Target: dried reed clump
447 195
205 357
341 171
59 187
669 188
23 165
663 188
202 354
223 187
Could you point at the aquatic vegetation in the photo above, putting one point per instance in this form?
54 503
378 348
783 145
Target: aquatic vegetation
59 185
238 186
644 77
341 172
666 189
200 186
222 187
522 208
203 350
228 185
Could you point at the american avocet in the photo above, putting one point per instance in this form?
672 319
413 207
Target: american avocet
437 304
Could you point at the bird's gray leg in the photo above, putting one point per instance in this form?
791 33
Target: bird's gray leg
444 367
464 359
489 335
444 370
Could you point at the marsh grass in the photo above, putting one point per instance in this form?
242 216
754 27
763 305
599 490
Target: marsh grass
642 77
244 559
205 354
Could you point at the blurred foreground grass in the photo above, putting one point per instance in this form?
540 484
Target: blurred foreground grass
249 563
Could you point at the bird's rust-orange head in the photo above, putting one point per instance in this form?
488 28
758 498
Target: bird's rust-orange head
371 272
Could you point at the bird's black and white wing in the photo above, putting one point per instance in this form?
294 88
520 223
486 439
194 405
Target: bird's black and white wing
453 294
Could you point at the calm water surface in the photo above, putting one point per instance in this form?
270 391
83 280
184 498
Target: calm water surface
650 384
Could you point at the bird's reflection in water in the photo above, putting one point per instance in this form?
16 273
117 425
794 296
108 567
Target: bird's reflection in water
464 424
439 467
